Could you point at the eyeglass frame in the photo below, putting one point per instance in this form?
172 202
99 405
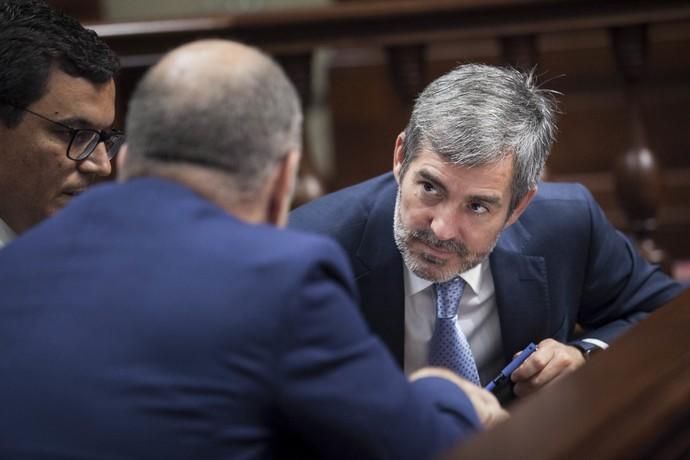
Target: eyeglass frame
103 136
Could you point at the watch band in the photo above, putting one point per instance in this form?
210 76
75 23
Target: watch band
587 349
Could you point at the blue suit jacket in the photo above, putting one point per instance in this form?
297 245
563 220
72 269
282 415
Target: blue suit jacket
144 322
560 264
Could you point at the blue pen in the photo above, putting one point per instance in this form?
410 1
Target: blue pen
514 364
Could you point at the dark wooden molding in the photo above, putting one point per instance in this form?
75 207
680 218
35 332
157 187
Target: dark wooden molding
371 41
637 171
383 24
520 51
406 67
299 67
84 11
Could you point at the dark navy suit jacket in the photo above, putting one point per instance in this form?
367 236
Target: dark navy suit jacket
143 322
560 264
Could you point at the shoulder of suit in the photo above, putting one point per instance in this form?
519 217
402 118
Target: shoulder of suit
562 206
568 191
344 211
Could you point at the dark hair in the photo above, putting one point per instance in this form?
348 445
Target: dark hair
35 38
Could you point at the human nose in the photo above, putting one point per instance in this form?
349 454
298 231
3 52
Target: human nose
97 163
446 224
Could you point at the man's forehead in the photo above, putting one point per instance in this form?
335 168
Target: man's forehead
77 100
496 175
426 157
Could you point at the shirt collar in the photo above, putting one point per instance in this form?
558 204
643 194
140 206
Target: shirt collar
6 233
473 277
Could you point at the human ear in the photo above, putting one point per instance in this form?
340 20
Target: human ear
398 156
121 163
520 208
282 189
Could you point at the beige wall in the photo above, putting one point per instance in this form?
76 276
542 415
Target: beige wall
117 10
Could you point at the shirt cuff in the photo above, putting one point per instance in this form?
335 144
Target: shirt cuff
599 343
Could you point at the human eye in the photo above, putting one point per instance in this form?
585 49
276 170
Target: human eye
430 192
478 208
62 132
83 137
428 187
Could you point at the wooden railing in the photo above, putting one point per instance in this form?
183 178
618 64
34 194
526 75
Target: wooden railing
408 43
374 23
631 402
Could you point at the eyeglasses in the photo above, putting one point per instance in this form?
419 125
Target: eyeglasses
83 142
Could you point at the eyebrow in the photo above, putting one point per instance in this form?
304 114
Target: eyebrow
486 199
430 177
492 200
78 123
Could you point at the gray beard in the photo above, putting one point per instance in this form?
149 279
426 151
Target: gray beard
403 236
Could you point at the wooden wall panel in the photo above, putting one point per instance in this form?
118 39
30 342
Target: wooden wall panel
572 49
593 128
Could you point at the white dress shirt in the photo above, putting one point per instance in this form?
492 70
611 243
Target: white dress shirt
477 319
6 233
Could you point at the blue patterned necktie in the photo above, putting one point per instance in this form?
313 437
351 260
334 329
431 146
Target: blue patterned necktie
448 346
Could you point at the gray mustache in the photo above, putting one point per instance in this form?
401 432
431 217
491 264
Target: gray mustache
428 237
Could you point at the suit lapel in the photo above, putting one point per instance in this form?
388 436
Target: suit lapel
522 294
520 281
381 279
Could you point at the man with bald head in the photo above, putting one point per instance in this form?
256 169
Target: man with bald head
165 316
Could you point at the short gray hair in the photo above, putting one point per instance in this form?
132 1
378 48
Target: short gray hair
478 114
236 122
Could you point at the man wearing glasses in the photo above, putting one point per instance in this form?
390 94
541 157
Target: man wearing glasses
57 106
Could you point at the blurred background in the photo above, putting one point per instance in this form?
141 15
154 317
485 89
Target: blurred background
623 68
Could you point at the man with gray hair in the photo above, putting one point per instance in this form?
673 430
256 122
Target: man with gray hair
165 317
463 221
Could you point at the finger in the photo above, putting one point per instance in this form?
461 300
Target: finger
533 365
561 363
553 369
523 389
489 409
497 415
539 359
527 387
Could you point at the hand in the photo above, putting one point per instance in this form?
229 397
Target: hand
551 361
485 403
